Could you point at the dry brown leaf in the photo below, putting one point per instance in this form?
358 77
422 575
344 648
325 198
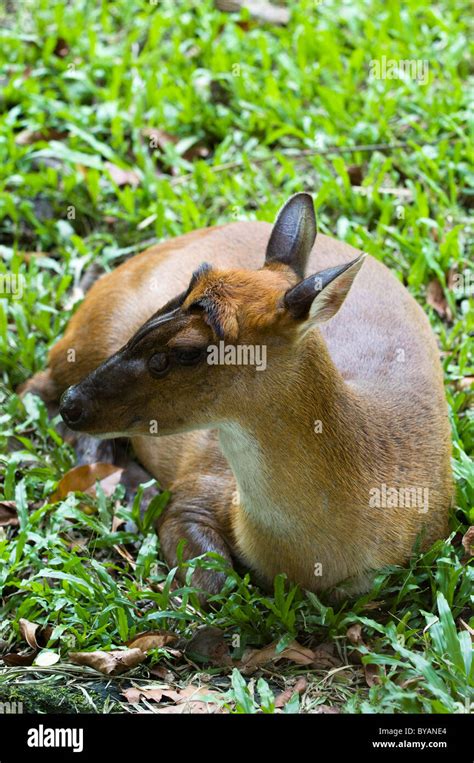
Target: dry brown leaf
373 605
110 663
196 706
35 635
468 541
354 634
122 177
108 484
28 137
134 693
254 658
467 382
209 646
191 699
372 674
31 256
436 299
117 522
8 515
13 660
122 551
356 174
61 49
152 640
159 138
187 700
82 478
161 672
197 151
299 687
28 632
324 657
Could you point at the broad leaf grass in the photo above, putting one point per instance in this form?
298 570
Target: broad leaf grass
88 79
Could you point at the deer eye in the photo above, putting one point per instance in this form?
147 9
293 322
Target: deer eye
158 364
189 357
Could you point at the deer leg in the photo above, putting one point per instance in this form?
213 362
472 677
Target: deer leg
200 514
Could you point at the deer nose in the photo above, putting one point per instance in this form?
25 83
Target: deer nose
72 407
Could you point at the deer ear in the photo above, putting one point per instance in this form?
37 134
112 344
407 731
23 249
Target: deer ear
319 297
293 234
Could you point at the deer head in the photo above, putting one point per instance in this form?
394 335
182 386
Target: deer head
222 344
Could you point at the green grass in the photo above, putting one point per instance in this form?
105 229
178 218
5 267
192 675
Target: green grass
88 79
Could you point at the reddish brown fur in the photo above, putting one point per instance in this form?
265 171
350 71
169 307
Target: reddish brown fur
302 497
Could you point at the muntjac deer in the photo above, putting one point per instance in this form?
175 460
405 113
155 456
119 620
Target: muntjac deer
300 422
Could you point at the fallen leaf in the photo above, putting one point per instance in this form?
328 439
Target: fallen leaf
28 632
122 551
208 646
373 605
354 634
324 657
356 174
35 635
61 49
108 484
110 663
254 658
46 658
468 541
152 640
134 693
28 137
83 478
327 710
467 382
13 659
122 177
372 674
190 699
159 138
8 515
31 256
299 687
436 299
117 522
161 672
196 706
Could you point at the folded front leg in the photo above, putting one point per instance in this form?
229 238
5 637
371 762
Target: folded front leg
200 512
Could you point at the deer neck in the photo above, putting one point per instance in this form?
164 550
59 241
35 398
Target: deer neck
300 448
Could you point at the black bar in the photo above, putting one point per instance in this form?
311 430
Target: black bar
139 737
